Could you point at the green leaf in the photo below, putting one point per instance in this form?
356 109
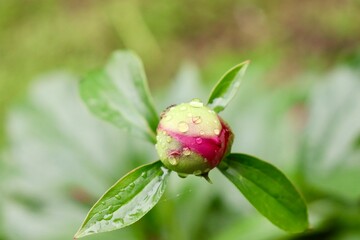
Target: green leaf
127 200
226 87
268 190
120 95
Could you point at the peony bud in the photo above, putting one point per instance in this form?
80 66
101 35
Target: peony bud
192 138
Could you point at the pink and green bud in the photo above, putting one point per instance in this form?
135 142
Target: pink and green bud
192 138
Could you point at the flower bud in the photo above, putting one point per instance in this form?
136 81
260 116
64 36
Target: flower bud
192 138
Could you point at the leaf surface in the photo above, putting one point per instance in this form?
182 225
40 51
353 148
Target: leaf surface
127 200
226 87
268 190
120 95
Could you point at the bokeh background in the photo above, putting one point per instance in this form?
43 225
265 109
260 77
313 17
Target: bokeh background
298 108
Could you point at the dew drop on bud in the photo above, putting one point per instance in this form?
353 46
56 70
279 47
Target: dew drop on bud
186 151
216 131
168 139
173 161
197 120
198 140
183 127
196 103
168 117
197 172
182 175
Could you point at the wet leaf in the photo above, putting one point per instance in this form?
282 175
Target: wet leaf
226 87
120 95
127 200
268 190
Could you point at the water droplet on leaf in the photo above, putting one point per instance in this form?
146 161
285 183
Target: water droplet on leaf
198 140
108 216
216 131
118 221
197 172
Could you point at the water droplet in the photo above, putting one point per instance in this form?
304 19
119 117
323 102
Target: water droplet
202 132
182 175
144 174
237 84
186 151
173 161
183 108
198 140
130 187
168 139
118 196
108 216
197 172
118 221
216 131
168 117
109 208
103 203
196 119
183 127
196 103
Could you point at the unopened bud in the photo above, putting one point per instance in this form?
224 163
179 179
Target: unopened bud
192 138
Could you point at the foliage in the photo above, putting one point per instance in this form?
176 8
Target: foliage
128 200
80 157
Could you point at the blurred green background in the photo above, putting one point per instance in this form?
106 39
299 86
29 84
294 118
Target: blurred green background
298 108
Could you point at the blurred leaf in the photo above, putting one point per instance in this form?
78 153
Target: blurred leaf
251 227
330 154
127 200
268 190
227 87
120 94
58 154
